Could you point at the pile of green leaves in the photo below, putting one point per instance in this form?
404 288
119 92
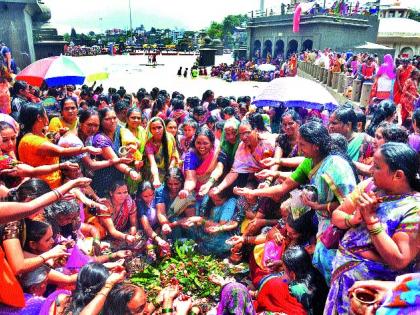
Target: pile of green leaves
188 267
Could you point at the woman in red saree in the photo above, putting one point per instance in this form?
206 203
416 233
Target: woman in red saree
409 95
403 73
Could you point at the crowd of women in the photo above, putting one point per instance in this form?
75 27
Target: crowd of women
391 80
249 70
325 211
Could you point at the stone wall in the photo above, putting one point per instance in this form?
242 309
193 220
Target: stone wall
319 32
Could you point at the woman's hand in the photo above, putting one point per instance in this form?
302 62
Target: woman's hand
93 150
80 182
123 160
130 239
268 162
243 191
307 202
156 183
166 229
214 229
235 240
161 242
183 194
138 165
367 204
123 254
69 166
56 252
204 189
115 277
263 174
356 219
278 238
183 306
273 265
134 175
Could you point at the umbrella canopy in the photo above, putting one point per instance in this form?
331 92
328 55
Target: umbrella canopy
54 71
295 92
91 69
266 67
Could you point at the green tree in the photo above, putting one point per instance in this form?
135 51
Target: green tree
73 34
414 15
66 37
215 30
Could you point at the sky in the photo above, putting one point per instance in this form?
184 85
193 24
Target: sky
99 15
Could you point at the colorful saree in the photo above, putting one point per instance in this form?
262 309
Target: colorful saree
235 300
202 168
157 151
333 179
248 161
396 214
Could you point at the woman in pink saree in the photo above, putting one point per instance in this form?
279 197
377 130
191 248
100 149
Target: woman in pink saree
199 162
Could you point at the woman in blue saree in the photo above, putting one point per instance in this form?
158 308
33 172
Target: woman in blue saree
330 173
382 217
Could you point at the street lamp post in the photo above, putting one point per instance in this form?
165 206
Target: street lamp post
131 21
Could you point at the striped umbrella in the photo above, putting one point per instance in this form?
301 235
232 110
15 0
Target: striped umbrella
53 71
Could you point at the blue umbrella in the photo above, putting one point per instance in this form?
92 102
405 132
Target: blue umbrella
295 92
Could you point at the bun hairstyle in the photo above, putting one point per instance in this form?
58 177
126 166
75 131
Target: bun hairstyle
399 156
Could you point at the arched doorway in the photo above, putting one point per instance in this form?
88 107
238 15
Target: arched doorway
307 45
292 47
257 49
279 51
268 48
407 51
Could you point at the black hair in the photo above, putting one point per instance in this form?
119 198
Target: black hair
297 260
35 230
165 149
303 225
115 98
120 106
385 110
59 208
17 86
86 114
133 109
28 116
395 133
229 111
177 103
346 115
141 93
219 125
416 117
294 114
146 185
256 121
203 131
339 145
116 184
206 95
176 173
208 203
361 118
32 189
190 122
399 156
316 133
198 110
102 113
154 93
90 280
193 101
118 299
158 106
211 119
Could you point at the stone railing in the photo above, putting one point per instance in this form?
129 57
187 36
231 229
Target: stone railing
339 83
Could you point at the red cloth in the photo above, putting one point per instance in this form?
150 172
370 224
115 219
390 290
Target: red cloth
403 74
275 297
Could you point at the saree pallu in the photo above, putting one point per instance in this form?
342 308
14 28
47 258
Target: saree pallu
398 215
204 171
235 300
247 161
104 178
352 268
334 179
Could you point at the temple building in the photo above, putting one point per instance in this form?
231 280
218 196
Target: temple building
397 31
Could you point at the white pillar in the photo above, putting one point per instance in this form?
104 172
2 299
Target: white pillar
262 7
